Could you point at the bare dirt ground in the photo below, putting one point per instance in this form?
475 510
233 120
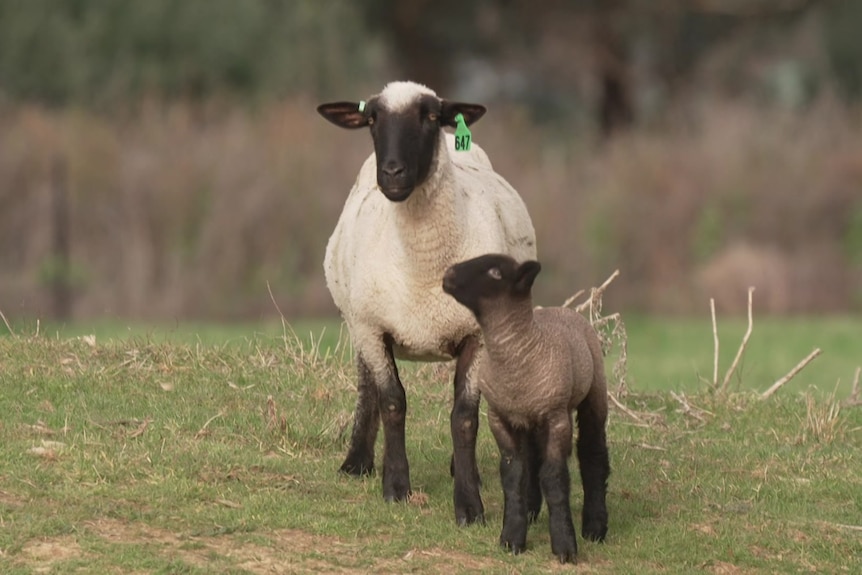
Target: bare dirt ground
288 551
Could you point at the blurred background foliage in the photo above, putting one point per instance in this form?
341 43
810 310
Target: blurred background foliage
163 159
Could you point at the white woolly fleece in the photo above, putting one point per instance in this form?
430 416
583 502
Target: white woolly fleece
385 261
397 96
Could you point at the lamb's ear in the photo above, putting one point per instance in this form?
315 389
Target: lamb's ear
350 115
471 112
525 276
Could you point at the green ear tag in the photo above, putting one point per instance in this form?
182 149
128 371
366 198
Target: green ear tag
463 137
361 105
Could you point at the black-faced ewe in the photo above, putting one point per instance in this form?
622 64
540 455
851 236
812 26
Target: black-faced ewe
419 204
535 368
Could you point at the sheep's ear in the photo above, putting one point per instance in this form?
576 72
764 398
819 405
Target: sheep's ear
350 115
525 276
471 112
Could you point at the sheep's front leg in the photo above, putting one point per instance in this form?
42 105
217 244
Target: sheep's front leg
464 422
556 485
393 412
512 476
366 422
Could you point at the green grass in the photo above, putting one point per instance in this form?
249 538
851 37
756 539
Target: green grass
194 449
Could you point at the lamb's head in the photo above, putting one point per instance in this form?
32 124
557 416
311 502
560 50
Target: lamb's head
405 120
489 281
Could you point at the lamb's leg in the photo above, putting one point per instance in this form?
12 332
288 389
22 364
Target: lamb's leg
393 412
556 485
366 422
532 455
594 463
464 422
512 475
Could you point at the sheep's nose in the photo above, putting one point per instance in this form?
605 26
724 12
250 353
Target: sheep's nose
393 169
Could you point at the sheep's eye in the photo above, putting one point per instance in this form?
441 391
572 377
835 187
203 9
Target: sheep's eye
370 120
495 273
432 117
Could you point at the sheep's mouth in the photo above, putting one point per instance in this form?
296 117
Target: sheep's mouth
397 194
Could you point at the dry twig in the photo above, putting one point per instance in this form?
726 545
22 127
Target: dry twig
595 295
715 341
626 410
854 398
141 429
203 430
775 386
742 345
9 327
281 315
688 409
571 299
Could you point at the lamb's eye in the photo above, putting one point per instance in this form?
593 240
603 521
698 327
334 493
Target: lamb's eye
432 117
371 120
495 273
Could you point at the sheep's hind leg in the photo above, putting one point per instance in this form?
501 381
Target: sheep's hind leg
464 422
532 456
366 422
556 486
393 412
512 475
595 467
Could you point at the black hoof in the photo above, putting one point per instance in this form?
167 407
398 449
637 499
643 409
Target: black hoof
566 552
595 532
396 498
466 519
356 469
513 548
395 493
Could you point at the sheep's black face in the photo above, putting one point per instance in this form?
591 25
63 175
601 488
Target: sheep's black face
487 278
405 121
405 143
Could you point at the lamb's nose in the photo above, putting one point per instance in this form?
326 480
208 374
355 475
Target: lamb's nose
448 279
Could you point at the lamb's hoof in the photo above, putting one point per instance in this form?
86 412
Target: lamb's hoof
396 498
469 518
512 547
595 532
468 507
396 493
357 469
566 552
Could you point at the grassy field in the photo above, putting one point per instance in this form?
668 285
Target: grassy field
211 449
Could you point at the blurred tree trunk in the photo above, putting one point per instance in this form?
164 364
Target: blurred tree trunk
60 266
422 54
614 110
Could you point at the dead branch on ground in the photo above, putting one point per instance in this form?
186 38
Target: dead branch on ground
203 431
854 398
741 350
9 327
775 386
689 410
715 344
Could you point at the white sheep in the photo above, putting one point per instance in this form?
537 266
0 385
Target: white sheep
417 206
534 369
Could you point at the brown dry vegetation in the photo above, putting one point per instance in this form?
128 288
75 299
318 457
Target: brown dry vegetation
181 211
